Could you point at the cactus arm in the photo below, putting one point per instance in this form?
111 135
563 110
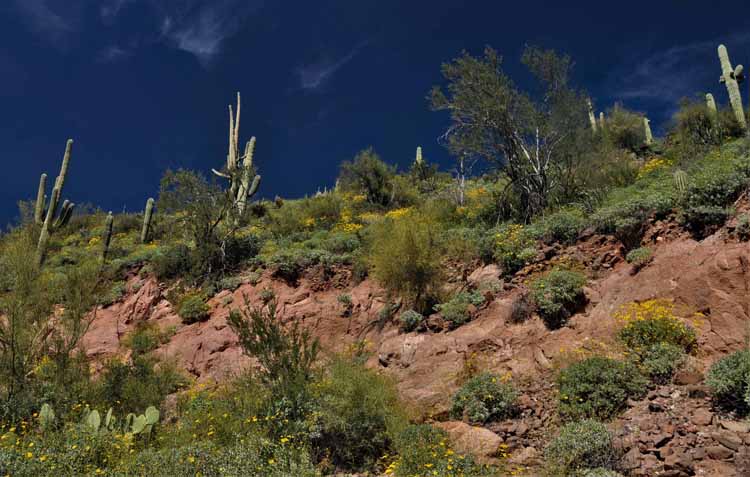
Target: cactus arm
40 199
711 105
147 220
236 141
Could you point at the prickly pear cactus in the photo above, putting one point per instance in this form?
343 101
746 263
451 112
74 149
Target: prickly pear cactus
93 421
732 77
46 417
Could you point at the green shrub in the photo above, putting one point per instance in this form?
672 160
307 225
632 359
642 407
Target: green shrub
563 226
405 259
597 387
581 446
661 361
193 308
624 128
704 220
742 229
410 320
172 262
653 322
601 472
133 387
457 311
424 451
484 398
557 295
369 175
113 295
729 379
238 249
146 337
639 257
356 408
514 247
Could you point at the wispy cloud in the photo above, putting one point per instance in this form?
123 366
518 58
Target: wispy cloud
669 75
113 53
42 19
201 28
314 75
109 9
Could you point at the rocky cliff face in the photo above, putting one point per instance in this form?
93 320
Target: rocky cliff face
673 431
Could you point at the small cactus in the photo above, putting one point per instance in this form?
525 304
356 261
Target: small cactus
147 216
647 130
732 77
107 238
52 221
592 118
46 417
711 105
93 421
681 181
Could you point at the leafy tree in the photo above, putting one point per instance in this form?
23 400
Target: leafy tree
368 174
496 122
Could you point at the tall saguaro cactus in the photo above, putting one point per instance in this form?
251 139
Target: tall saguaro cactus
592 118
147 216
52 220
239 168
732 77
601 120
108 222
647 131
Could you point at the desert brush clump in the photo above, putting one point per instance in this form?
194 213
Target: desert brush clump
557 295
485 397
579 448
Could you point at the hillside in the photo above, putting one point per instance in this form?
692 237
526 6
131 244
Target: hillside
579 308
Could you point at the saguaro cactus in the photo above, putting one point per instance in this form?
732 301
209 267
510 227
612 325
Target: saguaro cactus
52 221
601 120
240 185
418 159
107 238
147 216
647 130
731 77
711 105
592 118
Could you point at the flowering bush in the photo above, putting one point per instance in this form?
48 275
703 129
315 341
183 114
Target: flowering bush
484 398
514 247
652 322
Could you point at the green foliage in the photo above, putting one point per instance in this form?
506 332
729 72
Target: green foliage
581 446
563 226
484 398
639 257
192 308
597 387
457 310
557 295
137 385
146 337
661 360
113 295
410 320
742 229
624 128
515 246
287 356
172 262
425 451
729 379
368 174
405 259
641 334
357 410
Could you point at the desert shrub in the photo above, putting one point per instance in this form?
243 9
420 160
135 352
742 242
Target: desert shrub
369 175
229 283
424 450
356 408
287 357
563 226
717 183
521 309
240 248
742 229
624 128
145 338
172 262
192 308
639 257
581 446
601 472
405 259
410 320
705 219
660 361
557 295
597 387
514 247
729 379
653 322
694 128
132 387
457 309
484 398
113 295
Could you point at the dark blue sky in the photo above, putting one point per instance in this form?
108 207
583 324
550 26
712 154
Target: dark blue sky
143 85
